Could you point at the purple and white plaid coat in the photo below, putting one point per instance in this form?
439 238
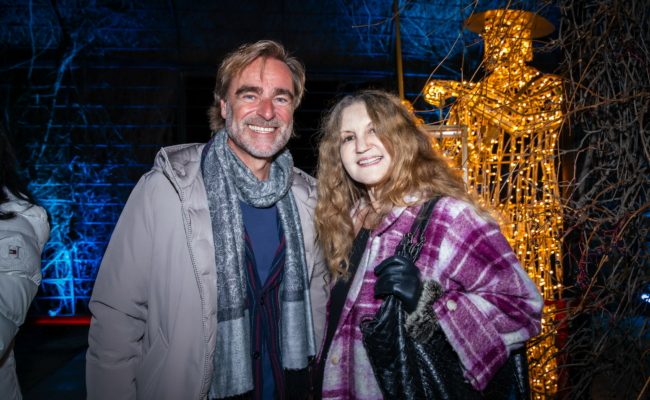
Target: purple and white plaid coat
490 305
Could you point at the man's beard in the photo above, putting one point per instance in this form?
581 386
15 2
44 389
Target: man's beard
237 133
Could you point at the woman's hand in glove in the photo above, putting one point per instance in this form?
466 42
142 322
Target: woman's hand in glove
398 276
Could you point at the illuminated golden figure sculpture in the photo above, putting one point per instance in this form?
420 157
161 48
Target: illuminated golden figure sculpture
512 118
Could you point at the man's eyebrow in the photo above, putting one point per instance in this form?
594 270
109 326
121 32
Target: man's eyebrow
258 90
281 91
246 89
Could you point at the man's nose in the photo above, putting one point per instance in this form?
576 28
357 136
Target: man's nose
266 109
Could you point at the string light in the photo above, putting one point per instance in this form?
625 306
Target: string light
513 117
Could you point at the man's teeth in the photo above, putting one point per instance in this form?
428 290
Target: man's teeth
261 129
369 160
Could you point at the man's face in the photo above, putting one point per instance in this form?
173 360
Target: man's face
258 110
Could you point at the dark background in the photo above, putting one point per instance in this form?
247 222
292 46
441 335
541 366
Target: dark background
90 90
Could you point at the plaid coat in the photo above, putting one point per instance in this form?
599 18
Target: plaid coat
490 305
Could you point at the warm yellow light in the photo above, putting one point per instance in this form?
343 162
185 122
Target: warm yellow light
513 117
409 107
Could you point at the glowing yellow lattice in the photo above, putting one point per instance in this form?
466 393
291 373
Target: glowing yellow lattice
513 117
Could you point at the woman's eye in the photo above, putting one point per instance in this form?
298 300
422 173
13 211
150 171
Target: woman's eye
372 131
347 138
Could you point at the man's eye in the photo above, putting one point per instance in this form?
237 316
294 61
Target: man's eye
282 100
248 96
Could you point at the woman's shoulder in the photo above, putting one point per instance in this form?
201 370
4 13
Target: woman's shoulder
35 215
22 207
454 209
453 206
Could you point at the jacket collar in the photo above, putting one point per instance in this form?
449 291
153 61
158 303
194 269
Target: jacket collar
180 163
392 217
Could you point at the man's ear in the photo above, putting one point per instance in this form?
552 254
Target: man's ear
222 103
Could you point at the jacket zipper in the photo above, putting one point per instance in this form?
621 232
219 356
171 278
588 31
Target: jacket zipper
188 235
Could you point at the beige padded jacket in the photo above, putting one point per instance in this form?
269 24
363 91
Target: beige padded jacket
153 330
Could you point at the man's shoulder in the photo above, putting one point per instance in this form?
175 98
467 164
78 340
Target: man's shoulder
180 163
304 186
179 154
303 178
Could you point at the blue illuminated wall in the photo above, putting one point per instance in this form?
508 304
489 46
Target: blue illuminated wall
91 90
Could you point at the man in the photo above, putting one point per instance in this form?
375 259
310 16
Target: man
204 290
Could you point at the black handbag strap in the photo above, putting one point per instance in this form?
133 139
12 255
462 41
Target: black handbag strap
342 286
411 243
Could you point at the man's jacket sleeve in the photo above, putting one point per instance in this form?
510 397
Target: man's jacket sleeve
119 302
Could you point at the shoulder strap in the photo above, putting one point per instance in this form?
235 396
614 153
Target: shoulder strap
412 242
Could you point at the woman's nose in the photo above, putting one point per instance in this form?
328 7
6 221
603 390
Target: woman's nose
361 144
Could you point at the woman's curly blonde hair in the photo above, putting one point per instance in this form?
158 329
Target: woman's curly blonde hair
417 169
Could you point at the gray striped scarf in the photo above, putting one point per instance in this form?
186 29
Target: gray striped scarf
228 180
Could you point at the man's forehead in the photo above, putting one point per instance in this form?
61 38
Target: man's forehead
262 73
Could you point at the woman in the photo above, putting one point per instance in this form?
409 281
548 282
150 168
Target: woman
24 229
376 168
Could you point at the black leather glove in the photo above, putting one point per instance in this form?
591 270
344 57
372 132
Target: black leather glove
398 276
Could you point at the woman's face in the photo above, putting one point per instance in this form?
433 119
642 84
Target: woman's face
363 155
